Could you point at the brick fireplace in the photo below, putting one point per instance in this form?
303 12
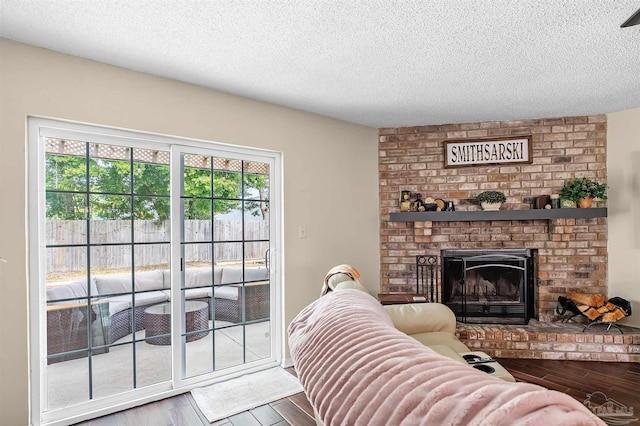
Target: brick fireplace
572 253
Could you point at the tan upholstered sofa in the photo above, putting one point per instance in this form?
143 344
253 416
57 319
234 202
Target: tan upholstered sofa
432 324
115 313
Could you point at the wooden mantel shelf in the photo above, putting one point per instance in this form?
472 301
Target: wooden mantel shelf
532 214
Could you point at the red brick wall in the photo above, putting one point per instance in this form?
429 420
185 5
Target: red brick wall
572 252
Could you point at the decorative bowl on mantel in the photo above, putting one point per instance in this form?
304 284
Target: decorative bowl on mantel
490 206
430 207
491 200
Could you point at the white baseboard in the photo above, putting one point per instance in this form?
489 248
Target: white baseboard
286 363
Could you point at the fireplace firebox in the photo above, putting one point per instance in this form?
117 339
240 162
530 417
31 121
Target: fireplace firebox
490 286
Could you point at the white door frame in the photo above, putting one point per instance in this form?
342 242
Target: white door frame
176 226
38 129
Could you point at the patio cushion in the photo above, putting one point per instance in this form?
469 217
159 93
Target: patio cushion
194 277
229 293
200 293
234 275
120 303
151 298
70 290
116 306
197 293
113 284
121 283
149 280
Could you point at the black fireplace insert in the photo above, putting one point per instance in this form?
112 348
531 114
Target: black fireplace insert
490 286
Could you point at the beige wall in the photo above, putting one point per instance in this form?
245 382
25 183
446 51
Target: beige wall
330 175
623 164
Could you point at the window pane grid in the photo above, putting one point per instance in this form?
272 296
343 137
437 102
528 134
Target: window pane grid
104 194
239 199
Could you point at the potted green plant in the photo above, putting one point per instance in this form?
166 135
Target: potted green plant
583 191
491 200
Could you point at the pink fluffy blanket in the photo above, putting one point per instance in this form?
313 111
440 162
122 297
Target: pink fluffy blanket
357 369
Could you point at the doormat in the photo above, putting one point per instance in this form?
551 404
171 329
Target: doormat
225 399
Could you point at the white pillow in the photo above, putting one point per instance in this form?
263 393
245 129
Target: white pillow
349 284
335 279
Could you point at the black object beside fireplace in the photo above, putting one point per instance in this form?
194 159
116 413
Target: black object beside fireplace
490 286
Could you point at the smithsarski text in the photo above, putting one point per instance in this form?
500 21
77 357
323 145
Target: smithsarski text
487 152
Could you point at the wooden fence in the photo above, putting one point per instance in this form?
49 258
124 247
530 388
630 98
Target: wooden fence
155 238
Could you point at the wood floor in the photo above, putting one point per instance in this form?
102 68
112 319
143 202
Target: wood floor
618 381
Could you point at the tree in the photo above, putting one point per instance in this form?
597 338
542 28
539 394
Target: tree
228 192
65 173
110 186
261 184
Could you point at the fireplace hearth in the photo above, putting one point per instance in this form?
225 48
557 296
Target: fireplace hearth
490 286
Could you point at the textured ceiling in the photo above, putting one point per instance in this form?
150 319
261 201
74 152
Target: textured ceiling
381 63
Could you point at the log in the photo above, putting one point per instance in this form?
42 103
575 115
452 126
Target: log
613 316
619 313
595 300
592 313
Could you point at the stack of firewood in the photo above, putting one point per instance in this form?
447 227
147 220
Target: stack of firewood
596 306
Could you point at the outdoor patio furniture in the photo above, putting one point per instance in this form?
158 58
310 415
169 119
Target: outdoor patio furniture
157 322
117 313
69 319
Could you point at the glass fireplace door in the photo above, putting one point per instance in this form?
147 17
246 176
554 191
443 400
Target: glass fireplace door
489 286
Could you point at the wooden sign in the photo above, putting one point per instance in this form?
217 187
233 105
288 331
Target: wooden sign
469 152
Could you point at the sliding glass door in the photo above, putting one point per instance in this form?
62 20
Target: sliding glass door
151 266
107 235
223 216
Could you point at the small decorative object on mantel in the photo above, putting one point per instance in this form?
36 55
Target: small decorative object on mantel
583 191
418 204
491 200
429 205
542 201
405 201
555 201
413 202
